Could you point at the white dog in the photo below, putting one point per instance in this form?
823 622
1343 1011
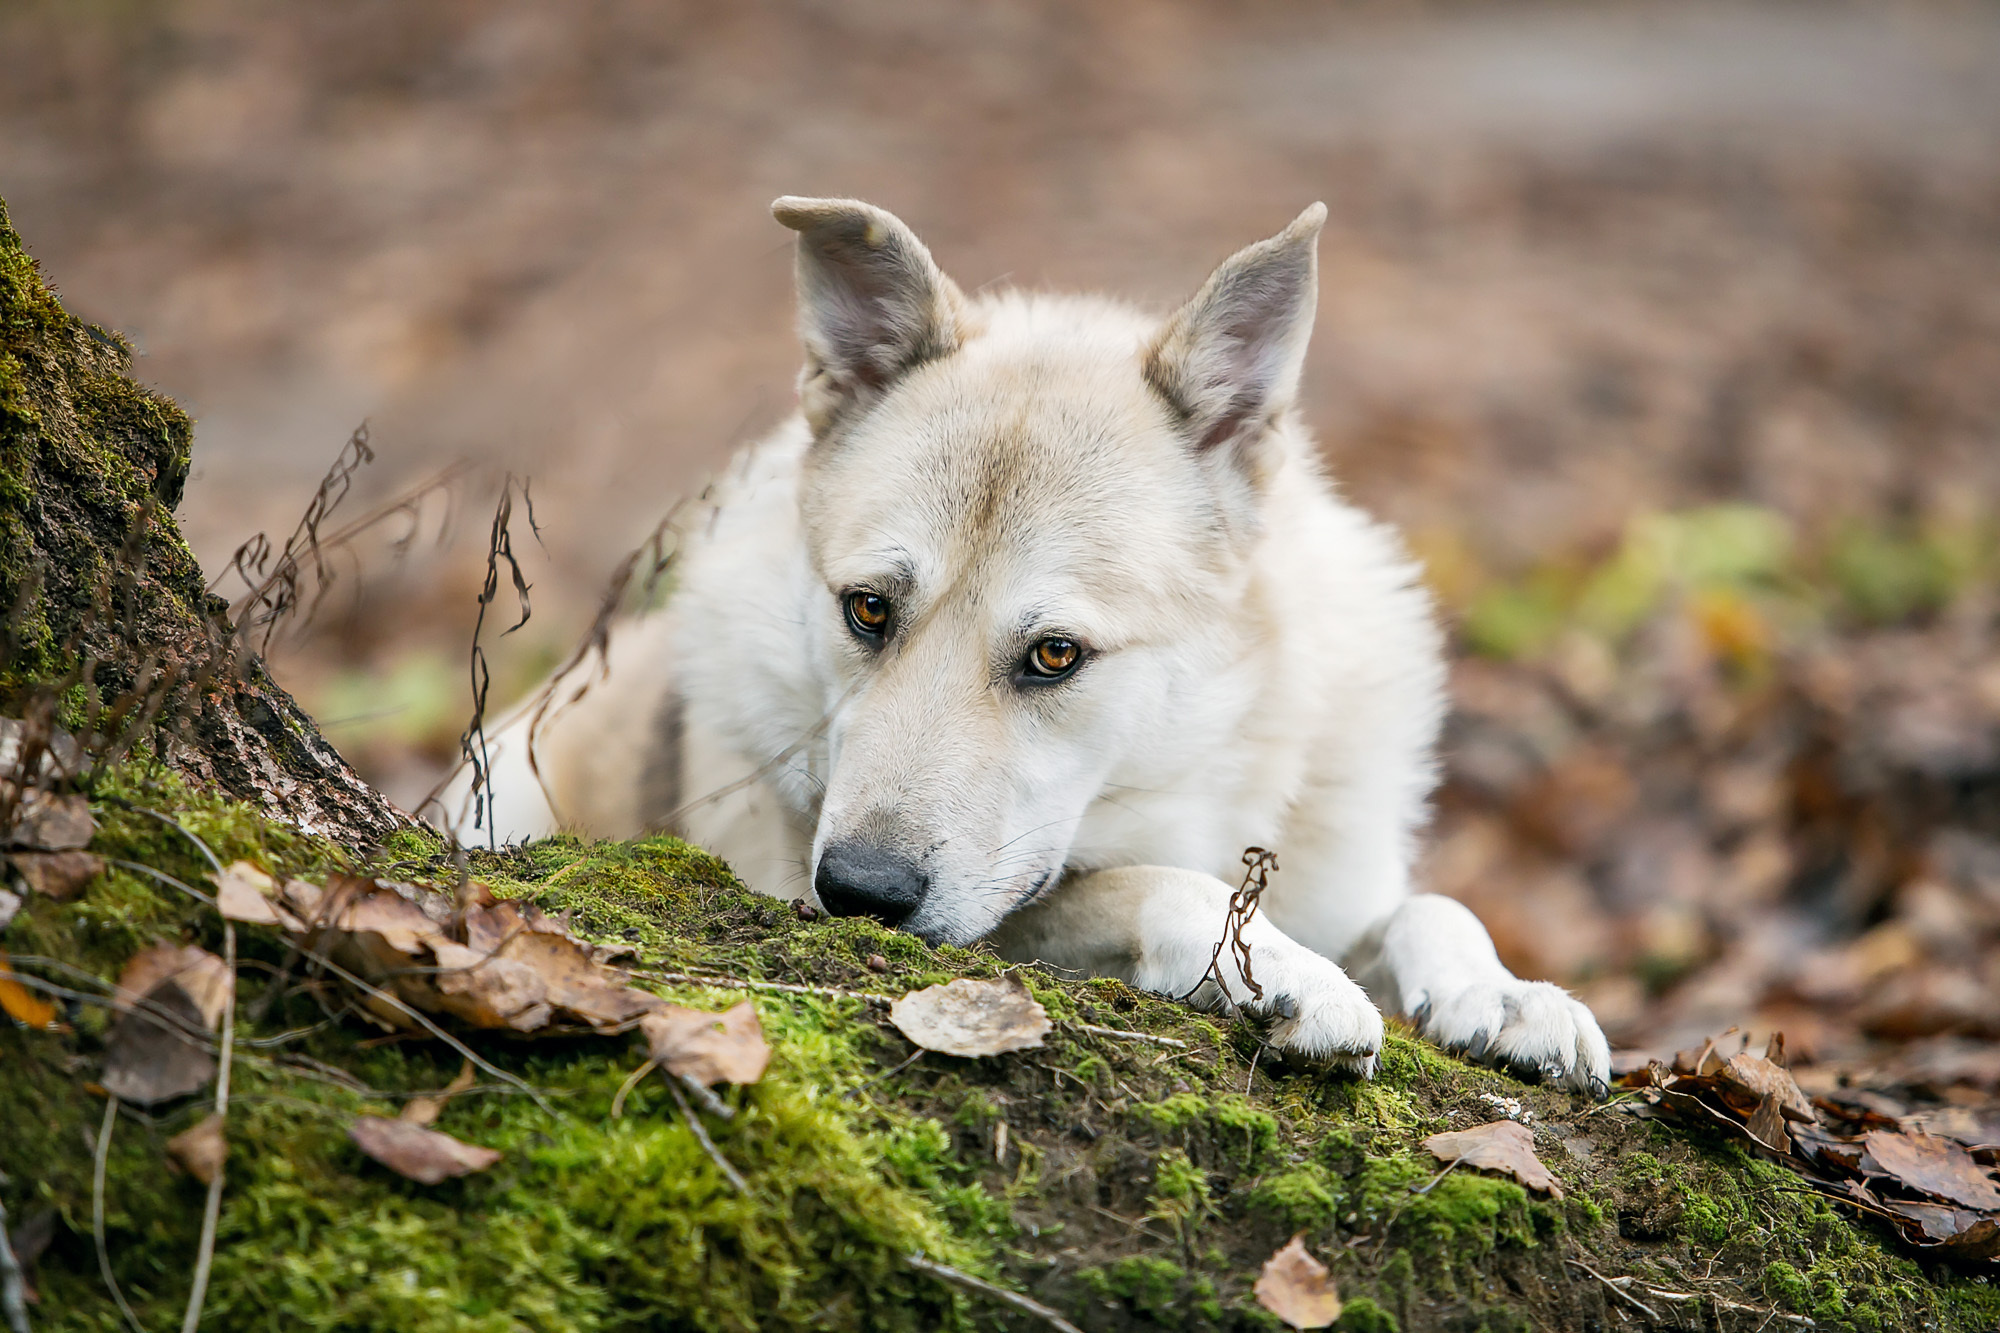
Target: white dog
1036 615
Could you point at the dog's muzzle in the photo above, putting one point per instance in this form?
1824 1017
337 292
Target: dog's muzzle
855 879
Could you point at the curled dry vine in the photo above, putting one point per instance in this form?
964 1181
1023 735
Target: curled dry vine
472 745
1243 904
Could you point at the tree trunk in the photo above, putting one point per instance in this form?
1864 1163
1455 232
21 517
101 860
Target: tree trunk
111 632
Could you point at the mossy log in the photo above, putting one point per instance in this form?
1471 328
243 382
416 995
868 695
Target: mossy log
105 604
1129 1183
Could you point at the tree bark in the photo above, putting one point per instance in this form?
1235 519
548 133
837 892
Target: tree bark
111 630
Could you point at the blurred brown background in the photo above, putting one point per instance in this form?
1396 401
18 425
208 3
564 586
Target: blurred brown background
1671 333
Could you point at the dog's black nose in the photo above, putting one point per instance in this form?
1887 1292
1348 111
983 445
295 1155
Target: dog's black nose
855 879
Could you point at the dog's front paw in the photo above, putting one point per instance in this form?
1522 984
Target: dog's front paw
1534 1028
1325 1018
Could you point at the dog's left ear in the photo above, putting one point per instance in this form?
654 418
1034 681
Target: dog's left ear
872 302
1228 361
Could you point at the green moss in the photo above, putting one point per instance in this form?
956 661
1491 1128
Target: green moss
1362 1315
1305 1198
1131 1175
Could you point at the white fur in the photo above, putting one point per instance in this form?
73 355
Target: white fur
1264 666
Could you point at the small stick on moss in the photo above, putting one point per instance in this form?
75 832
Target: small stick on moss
1617 1290
1025 1304
163 877
730 1173
632 1081
789 988
211 1210
1097 1031
97 1213
466 1051
184 831
887 1073
13 1288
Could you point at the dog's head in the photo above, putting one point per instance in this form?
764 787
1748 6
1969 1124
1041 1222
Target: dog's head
1032 517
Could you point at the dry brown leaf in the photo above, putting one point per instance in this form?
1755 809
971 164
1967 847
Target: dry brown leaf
58 875
200 974
244 893
1503 1145
1931 1165
422 1155
202 1149
1761 1078
21 1004
1295 1287
971 1018
148 1058
1968 1235
576 982
52 821
705 1048
425 1110
1767 1126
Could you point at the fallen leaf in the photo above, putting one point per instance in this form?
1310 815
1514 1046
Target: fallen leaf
1969 1235
203 977
425 1110
1503 1145
972 1018
1931 1165
52 821
1294 1286
422 1155
1767 1126
244 893
21 1004
705 1048
1761 1078
57 875
201 1149
149 1057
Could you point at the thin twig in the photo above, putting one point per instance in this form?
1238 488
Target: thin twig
632 1081
211 1210
1617 1290
729 1172
1095 1030
164 878
704 1096
878 1076
97 1213
1025 1304
185 832
831 992
477 1060
13 1287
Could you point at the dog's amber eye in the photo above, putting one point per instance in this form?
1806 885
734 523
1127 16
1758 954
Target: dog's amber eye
868 614
1054 657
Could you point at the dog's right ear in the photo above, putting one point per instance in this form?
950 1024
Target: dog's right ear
872 302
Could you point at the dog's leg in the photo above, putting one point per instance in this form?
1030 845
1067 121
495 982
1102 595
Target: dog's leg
1156 928
1432 960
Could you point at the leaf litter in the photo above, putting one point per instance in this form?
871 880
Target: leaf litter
970 1017
1940 1194
423 1155
201 1150
169 997
1297 1288
1507 1146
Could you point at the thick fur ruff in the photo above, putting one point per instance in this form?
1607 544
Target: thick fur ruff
1008 479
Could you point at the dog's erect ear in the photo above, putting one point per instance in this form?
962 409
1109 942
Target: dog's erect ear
1228 361
872 302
